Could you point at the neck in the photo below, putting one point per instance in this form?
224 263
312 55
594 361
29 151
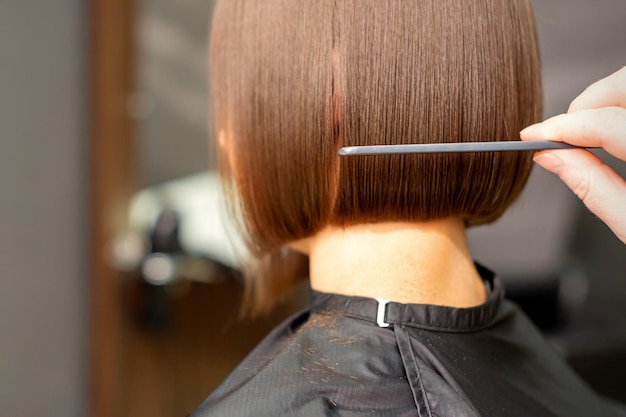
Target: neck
424 263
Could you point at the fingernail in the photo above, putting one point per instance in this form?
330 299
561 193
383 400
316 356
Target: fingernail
531 132
548 161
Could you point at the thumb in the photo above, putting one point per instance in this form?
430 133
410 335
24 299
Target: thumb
601 189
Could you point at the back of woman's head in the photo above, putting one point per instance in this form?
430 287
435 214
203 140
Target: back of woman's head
295 80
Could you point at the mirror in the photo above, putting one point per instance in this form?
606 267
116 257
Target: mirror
176 136
581 42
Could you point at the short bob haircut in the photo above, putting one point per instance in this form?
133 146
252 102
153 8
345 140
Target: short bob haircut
295 80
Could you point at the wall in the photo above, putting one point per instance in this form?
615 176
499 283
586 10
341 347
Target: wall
43 206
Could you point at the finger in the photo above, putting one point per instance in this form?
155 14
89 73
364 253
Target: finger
596 184
610 91
605 128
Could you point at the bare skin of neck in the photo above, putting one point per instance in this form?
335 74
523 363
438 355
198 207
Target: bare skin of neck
423 263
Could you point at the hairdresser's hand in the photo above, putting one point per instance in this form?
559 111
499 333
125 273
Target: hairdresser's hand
596 118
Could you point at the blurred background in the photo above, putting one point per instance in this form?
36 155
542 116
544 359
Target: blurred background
119 289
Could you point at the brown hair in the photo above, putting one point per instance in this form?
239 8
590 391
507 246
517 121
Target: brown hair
295 80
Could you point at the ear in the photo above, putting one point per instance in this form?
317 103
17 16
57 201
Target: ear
221 140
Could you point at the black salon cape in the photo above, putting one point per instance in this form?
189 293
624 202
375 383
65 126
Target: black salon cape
335 360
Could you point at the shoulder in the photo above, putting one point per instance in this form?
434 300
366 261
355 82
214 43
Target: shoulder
250 381
312 364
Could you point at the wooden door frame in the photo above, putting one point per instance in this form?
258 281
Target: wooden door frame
113 180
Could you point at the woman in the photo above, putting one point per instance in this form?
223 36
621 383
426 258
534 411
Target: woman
402 322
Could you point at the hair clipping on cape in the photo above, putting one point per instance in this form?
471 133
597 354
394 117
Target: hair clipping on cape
503 146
